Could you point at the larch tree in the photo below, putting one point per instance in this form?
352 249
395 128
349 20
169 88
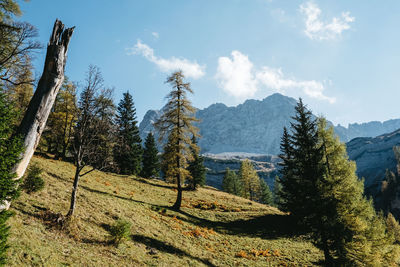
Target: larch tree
150 160
176 122
347 227
93 131
196 168
62 119
128 149
250 181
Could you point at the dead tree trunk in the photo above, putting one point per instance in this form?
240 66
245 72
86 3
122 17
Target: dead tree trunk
38 111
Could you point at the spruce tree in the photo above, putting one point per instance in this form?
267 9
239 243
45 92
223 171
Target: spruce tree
266 195
177 123
277 192
150 161
10 150
231 183
128 150
196 168
250 181
301 166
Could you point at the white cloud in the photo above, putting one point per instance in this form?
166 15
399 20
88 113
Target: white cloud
238 78
190 69
235 75
275 79
319 30
155 35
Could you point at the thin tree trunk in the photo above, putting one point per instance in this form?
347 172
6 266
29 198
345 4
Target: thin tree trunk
74 191
178 201
38 111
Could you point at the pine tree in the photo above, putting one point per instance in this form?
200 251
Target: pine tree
196 168
150 161
266 195
250 181
177 123
128 150
231 183
10 149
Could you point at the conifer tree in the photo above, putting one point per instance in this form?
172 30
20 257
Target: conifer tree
128 149
177 123
266 195
231 183
277 192
10 149
301 166
347 227
250 181
150 161
196 168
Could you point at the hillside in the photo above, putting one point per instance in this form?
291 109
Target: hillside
230 232
256 126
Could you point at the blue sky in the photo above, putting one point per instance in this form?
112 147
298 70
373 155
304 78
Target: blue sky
342 57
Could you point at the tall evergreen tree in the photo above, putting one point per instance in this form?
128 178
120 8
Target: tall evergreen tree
196 168
177 123
128 150
301 166
277 192
10 149
250 181
150 161
231 183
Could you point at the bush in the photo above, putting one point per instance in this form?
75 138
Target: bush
33 181
119 231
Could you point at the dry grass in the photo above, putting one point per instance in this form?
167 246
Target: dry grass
213 229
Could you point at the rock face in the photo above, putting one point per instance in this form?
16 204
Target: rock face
373 156
256 126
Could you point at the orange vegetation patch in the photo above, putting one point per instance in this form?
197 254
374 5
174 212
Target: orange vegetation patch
254 253
107 183
200 232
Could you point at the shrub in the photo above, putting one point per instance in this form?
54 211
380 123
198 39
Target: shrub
119 231
33 181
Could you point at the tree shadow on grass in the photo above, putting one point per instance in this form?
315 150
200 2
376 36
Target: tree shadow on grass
148 181
268 226
167 248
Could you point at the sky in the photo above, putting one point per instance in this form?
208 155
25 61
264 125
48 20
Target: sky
341 57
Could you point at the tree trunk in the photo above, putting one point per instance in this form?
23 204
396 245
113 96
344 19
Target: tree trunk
38 111
178 202
74 190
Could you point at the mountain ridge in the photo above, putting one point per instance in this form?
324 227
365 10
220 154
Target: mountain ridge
255 126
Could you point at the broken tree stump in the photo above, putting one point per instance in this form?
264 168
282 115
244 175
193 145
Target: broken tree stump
39 108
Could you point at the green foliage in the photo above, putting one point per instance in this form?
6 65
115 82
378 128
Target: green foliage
61 122
176 122
266 195
231 183
150 160
250 181
120 231
277 192
10 150
393 227
301 166
128 149
196 168
33 181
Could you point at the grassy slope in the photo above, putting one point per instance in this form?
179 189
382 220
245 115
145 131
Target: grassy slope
193 237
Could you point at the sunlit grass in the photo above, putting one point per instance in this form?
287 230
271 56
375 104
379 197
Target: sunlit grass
213 229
